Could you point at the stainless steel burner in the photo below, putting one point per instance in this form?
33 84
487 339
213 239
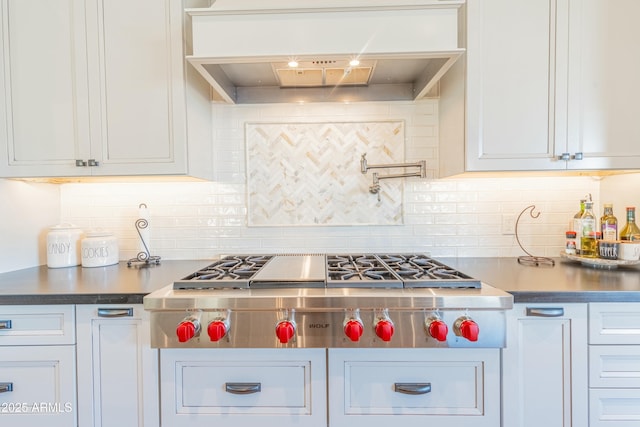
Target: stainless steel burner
359 271
420 271
230 272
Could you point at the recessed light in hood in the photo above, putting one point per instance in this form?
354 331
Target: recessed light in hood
403 50
321 73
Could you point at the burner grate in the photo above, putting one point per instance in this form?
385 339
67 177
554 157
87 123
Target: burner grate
361 270
233 271
420 271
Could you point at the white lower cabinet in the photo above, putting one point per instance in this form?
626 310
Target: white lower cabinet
117 368
243 387
544 373
37 366
614 364
414 387
294 387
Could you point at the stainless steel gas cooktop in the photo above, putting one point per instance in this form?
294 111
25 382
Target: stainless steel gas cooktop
332 271
334 300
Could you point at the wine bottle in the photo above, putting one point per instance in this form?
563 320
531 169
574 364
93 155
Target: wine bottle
588 242
630 231
577 225
609 224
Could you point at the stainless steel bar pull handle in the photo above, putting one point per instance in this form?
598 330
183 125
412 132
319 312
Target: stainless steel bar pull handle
242 388
115 312
6 387
5 324
412 388
545 311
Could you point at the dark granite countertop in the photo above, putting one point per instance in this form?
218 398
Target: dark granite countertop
566 281
115 284
118 284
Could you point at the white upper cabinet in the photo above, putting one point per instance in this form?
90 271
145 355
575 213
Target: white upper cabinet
604 88
44 114
92 82
547 86
514 70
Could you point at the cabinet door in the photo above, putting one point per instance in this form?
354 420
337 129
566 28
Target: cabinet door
516 84
117 369
545 366
614 323
244 387
443 387
38 386
604 89
137 95
44 114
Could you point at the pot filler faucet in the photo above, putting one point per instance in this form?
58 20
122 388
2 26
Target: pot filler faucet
375 187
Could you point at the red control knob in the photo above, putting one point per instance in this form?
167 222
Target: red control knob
186 330
353 329
469 330
384 330
438 330
285 331
217 329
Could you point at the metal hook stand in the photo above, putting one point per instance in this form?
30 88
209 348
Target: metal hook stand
531 259
145 256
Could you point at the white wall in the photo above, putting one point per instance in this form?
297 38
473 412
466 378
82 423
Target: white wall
28 210
448 217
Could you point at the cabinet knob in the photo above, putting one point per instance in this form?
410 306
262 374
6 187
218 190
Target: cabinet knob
565 156
80 163
242 388
545 311
577 156
115 312
5 324
412 388
94 162
6 387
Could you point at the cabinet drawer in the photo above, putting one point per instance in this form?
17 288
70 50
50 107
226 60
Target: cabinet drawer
614 407
39 384
614 323
614 366
37 325
456 388
201 387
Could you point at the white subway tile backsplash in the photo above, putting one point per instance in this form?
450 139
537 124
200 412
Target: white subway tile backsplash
444 217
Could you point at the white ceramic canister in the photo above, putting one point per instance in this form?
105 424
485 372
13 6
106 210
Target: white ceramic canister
629 250
63 246
100 248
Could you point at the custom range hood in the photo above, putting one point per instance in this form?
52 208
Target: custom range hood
265 51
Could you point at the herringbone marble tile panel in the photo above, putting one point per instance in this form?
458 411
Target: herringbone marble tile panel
309 173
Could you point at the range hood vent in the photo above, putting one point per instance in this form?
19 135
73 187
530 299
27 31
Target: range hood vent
244 48
323 73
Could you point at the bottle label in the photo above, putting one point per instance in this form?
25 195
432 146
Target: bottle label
588 227
609 232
